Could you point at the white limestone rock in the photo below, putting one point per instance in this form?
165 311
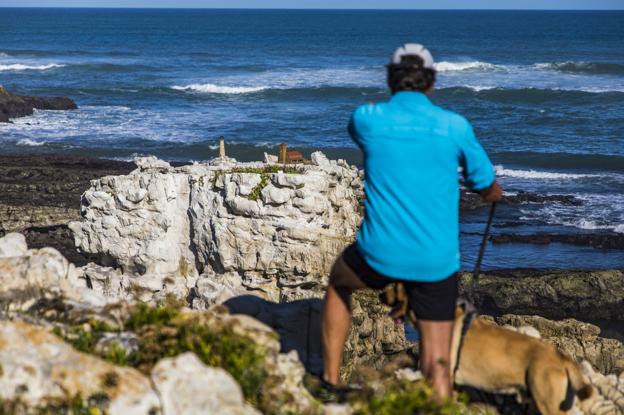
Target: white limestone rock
38 369
108 281
212 289
272 195
320 159
139 222
609 398
246 182
288 374
13 245
162 227
188 387
27 276
151 163
270 158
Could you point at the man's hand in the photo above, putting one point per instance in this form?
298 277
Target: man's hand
492 194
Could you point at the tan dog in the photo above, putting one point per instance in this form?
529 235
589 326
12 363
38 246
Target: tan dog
498 360
501 361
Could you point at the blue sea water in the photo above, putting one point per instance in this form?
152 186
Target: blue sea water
544 90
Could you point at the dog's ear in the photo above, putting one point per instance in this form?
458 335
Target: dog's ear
466 306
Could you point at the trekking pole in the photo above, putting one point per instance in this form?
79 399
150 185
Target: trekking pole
477 268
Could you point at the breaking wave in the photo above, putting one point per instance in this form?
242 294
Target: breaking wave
540 175
445 66
21 67
217 89
30 143
588 68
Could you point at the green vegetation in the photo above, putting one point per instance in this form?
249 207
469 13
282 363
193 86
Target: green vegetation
406 398
264 173
164 331
84 337
76 405
256 192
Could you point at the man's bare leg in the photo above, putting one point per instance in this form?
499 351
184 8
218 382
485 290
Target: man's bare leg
435 354
336 317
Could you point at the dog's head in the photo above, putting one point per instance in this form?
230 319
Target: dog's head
395 296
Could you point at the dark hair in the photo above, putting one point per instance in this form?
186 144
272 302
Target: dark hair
410 75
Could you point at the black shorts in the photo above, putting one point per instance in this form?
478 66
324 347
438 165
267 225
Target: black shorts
429 300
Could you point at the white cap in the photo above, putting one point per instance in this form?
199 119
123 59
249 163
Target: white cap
414 49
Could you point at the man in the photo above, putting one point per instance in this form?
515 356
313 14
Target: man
413 150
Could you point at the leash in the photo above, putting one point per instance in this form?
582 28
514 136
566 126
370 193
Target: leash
477 269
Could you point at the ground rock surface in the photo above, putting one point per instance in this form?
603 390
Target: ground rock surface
556 294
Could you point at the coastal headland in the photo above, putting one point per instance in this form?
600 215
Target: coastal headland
241 249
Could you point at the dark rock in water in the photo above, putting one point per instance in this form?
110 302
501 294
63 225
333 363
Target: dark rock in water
604 241
14 106
473 201
527 197
585 295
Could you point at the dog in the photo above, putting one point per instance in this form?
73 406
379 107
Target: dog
493 359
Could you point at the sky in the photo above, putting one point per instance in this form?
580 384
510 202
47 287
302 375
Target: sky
329 4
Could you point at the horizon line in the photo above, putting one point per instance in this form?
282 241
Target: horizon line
297 8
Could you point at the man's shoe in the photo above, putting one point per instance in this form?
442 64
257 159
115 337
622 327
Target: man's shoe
327 392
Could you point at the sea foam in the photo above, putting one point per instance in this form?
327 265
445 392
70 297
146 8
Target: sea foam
30 143
217 89
540 175
21 67
445 66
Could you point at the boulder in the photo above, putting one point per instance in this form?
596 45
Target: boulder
13 245
188 387
30 276
39 370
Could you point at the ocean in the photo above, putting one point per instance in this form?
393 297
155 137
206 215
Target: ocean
544 91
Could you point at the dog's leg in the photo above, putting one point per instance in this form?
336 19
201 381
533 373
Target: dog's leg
548 386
